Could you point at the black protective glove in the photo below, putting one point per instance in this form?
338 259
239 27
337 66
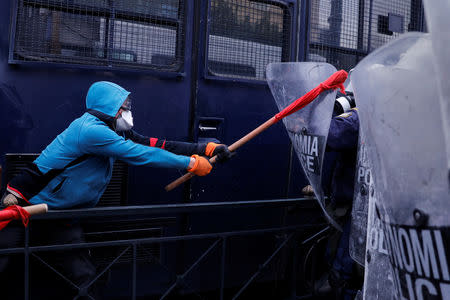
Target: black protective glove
221 150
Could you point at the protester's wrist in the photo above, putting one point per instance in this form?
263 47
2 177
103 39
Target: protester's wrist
191 163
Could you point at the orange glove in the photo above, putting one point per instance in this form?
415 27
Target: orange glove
201 166
221 150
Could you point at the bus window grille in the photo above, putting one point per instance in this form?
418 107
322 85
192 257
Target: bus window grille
245 36
342 32
126 33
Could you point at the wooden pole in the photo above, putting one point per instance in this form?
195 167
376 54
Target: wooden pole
232 148
36 209
10 214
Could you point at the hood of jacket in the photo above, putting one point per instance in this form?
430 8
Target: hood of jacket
106 97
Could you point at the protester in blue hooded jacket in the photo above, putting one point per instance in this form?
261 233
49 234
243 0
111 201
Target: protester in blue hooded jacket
74 170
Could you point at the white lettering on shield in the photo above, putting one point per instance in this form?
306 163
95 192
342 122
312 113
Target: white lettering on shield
310 150
420 261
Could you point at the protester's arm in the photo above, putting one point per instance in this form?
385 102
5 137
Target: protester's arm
100 140
181 148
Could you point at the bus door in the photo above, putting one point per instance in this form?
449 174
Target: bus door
239 40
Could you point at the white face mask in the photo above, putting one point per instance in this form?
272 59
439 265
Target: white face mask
125 121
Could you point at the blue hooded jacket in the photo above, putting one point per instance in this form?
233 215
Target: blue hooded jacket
82 184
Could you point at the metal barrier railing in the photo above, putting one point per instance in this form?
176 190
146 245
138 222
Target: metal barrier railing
218 239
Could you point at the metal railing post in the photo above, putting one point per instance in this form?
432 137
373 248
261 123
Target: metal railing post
295 249
27 263
263 266
133 244
180 278
133 291
222 267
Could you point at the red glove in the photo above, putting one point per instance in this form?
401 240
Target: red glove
201 166
221 150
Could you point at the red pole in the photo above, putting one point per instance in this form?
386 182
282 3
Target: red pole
334 81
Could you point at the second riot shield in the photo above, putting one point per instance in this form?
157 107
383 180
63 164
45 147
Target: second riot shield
308 127
438 21
367 241
378 276
360 206
400 118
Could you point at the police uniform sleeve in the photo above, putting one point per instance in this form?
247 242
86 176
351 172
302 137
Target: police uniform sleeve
343 133
100 140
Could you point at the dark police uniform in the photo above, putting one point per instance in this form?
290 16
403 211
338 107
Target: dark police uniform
338 184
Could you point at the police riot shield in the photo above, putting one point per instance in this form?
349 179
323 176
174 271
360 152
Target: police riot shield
308 127
367 242
360 207
400 117
378 276
438 21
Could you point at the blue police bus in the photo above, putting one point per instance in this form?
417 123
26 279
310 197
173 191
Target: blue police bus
196 71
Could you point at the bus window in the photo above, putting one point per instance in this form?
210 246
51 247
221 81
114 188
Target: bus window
342 32
128 34
245 36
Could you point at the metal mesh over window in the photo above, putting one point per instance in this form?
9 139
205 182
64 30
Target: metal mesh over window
342 32
245 36
125 33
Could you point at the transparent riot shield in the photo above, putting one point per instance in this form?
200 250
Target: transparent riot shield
438 21
397 95
360 207
367 242
308 127
378 276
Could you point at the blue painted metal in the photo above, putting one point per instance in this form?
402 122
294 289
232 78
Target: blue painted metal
174 209
191 208
180 278
109 266
161 209
262 266
54 270
243 104
133 290
43 99
33 249
39 100
27 263
222 267
132 243
304 29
